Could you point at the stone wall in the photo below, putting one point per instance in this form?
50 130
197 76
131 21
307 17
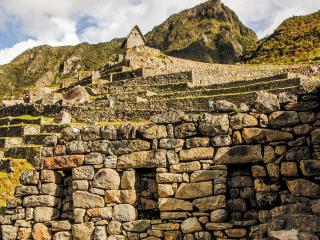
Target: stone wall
252 174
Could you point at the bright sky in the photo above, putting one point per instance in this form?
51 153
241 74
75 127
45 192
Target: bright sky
28 23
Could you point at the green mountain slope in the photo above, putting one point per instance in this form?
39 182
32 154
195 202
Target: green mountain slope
46 63
209 32
297 39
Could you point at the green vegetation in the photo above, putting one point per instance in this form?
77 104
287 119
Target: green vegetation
10 180
296 40
209 32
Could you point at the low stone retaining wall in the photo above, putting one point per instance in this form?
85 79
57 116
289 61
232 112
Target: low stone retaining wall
248 175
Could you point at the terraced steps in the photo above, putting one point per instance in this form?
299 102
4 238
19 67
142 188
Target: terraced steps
40 139
164 79
53 128
8 142
21 120
110 68
29 152
18 130
136 73
199 103
217 90
158 88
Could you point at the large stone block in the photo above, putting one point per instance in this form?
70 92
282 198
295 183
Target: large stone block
124 213
172 204
205 175
171 143
194 190
239 155
40 201
185 167
129 146
210 203
44 214
121 196
145 159
266 102
63 162
83 231
194 154
191 225
137 226
281 119
83 173
77 147
41 232
212 125
106 179
261 135
9 232
304 188
153 131
185 130
29 177
87 200
168 177
310 167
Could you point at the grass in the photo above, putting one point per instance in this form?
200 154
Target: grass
10 180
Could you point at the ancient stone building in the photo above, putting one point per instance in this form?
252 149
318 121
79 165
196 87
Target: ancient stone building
134 39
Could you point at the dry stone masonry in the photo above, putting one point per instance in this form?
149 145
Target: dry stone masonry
249 172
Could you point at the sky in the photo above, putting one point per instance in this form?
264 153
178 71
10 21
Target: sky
28 23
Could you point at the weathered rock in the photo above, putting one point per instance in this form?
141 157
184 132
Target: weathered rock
219 215
302 129
121 196
62 236
128 180
292 234
298 153
168 177
191 225
108 132
289 169
171 143
258 171
185 130
153 131
40 201
205 175
303 188
90 133
63 118
83 173
236 233
210 203
240 181
315 136
287 97
281 119
302 106
221 141
106 179
212 125
44 214
129 146
124 213
9 232
40 232
103 213
259 135
172 204
165 190
21 191
168 117
196 154
76 95
137 226
87 200
114 227
145 159
82 231
197 142
60 225
310 167
93 159
238 154
223 106
194 190
29 177
266 102
63 162
237 205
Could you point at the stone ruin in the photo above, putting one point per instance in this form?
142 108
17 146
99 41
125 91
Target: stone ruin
236 163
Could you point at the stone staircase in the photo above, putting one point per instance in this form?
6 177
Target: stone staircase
22 138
